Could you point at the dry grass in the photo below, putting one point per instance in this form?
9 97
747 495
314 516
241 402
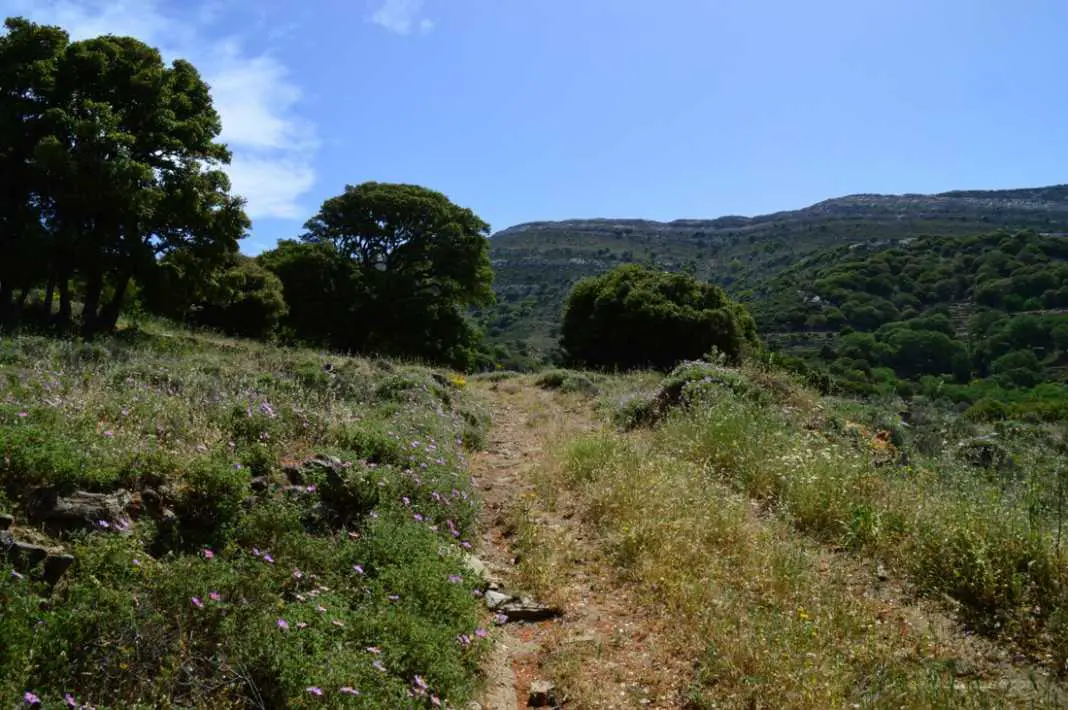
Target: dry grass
769 619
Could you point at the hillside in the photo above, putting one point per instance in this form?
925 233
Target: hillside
537 263
972 318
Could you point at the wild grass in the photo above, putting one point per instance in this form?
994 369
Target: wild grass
346 591
701 515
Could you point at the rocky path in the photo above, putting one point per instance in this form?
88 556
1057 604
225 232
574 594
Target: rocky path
576 636
601 641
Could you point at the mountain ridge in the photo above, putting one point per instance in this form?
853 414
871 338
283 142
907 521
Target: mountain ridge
537 263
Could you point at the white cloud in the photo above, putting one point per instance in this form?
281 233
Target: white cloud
401 16
272 145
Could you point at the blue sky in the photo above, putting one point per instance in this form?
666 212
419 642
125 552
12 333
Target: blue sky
551 109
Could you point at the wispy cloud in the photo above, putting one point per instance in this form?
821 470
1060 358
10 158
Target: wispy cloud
272 145
402 16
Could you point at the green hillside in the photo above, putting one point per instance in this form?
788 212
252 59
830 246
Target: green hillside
537 263
972 318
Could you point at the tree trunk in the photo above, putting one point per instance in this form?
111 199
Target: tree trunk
90 318
6 315
109 314
64 298
50 294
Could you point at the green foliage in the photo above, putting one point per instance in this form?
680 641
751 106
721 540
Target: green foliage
566 381
118 165
388 269
364 554
635 316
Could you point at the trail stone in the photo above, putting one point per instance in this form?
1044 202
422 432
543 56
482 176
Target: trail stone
495 600
542 695
79 511
27 556
527 610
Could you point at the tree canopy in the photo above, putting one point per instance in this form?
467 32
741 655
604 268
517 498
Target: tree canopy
110 162
388 268
636 316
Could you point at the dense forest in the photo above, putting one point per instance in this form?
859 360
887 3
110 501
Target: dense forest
982 320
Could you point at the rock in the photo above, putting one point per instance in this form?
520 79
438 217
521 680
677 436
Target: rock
495 600
527 610
259 484
27 556
881 573
79 511
6 521
542 695
473 705
294 475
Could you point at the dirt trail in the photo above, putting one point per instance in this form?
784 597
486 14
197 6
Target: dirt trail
608 648
602 642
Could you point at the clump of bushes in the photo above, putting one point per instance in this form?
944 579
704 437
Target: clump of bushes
566 381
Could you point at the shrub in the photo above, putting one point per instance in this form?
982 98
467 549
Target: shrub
634 316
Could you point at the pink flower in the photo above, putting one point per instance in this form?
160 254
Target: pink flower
197 603
481 633
268 559
109 434
301 625
435 700
315 691
282 624
455 579
208 554
214 596
30 698
358 569
347 690
69 700
374 649
23 414
297 574
420 683
136 562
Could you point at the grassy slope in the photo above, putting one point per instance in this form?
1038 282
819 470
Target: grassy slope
752 514
350 584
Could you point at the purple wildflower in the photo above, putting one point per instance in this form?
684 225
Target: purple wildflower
103 523
297 574
481 632
464 639
69 700
407 500
420 683
30 698
374 649
282 624
347 690
109 433
501 618
17 575
268 559
358 569
418 517
208 554
197 603
315 690
23 414
215 596
379 666
136 562
455 579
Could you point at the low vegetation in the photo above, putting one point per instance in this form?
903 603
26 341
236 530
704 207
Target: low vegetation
291 534
764 519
